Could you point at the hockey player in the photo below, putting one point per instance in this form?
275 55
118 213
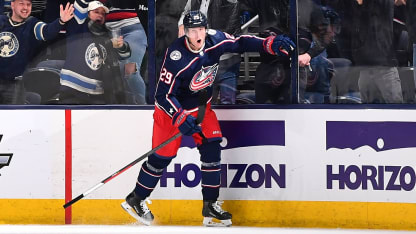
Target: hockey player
20 34
190 66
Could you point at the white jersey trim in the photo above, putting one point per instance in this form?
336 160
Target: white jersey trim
75 76
122 23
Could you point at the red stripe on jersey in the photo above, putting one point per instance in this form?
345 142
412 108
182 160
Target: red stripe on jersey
120 15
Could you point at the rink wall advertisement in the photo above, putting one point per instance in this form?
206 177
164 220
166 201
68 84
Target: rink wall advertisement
280 167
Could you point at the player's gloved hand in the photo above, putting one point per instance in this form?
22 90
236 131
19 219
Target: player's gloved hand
185 122
279 45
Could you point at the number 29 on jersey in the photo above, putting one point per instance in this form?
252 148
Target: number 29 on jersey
166 76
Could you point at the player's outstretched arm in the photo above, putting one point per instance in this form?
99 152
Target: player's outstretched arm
276 45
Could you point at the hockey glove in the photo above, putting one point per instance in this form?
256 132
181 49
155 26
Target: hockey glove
279 45
185 122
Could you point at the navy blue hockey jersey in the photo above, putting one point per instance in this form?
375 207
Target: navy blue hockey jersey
18 42
84 65
185 72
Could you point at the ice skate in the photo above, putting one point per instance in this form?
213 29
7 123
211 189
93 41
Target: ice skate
138 209
212 210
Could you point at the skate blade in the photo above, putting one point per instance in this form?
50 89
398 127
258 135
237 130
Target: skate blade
133 213
209 222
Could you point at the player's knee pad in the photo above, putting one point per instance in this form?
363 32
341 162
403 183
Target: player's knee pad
210 152
157 162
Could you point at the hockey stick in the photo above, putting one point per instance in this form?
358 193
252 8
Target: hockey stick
201 113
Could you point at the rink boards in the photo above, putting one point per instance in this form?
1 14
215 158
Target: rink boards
281 167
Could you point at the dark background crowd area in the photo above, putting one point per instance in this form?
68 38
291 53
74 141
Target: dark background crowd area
168 13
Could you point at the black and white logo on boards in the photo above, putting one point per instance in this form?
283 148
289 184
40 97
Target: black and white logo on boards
5 158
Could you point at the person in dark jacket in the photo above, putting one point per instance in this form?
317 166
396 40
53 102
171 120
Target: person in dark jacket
273 75
373 51
324 26
411 27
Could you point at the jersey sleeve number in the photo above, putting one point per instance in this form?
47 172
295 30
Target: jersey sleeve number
166 76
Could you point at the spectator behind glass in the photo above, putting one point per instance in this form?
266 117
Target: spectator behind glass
91 74
373 51
123 16
20 35
272 81
411 27
222 15
312 43
325 24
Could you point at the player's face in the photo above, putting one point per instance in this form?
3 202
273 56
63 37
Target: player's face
196 37
21 10
97 15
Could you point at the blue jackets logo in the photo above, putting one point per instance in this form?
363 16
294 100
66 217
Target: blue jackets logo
9 45
5 158
204 78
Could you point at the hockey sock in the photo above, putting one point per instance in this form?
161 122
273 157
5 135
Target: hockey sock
150 174
210 169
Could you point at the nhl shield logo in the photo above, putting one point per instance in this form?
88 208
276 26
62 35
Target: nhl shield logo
175 55
9 45
204 78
